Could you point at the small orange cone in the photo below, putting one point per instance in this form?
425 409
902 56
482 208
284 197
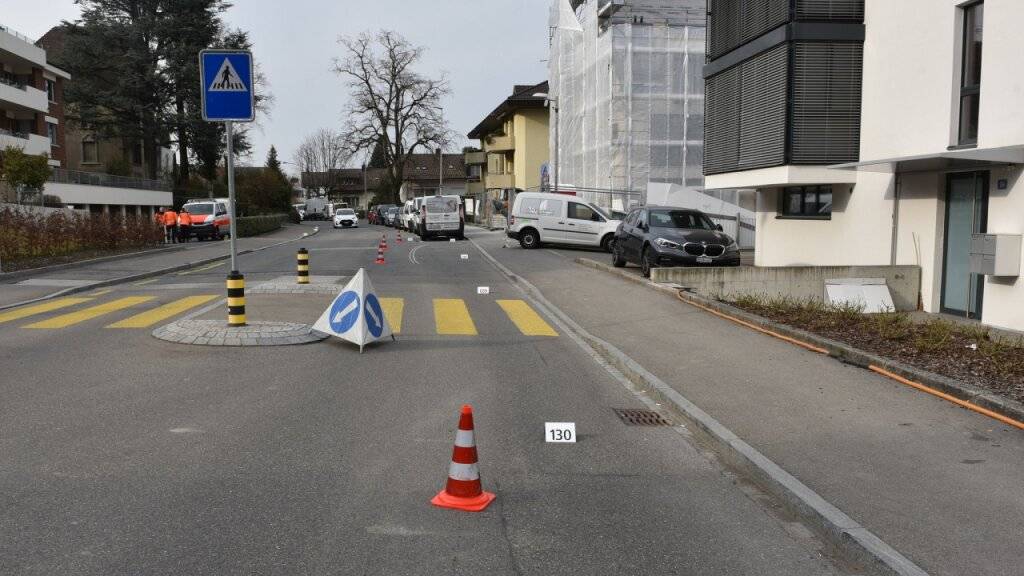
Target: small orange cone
399 239
380 255
384 242
463 490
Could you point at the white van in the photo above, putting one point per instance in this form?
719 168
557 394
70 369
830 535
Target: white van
541 217
442 216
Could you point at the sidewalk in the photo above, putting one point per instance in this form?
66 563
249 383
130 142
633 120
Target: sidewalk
942 485
40 285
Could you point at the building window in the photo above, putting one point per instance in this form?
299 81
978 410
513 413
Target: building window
806 202
496 164
51 90
90 152
970 73
51 131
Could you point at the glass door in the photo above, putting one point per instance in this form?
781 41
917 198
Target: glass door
966 214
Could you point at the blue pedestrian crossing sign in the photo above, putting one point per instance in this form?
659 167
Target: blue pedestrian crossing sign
356 314
227 85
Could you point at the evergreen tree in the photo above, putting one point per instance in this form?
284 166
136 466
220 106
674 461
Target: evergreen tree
136 76
377 159
272 162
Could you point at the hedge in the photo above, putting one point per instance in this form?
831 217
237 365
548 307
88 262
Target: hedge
256 225
27 234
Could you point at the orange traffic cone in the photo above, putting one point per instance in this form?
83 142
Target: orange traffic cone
384 242
399 239
463 490
380 255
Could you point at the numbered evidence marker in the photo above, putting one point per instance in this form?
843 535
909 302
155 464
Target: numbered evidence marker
483 289
356 314
560 432
464 256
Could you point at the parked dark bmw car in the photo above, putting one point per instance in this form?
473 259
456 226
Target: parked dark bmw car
655 236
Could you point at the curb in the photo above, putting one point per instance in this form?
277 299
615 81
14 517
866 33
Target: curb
839 530
19 274
838 350
150 274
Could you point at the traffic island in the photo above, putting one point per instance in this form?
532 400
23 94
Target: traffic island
287 285
217 333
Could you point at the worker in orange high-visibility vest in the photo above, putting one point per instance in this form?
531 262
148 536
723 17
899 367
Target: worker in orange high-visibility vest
184 225
171 226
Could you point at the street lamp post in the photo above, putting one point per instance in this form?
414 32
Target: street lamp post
553 104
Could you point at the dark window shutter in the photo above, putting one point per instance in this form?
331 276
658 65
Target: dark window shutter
831 10
826 103
745 114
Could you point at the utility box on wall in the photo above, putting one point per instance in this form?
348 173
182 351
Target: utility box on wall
996 254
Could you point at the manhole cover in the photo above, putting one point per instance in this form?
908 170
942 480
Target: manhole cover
640 417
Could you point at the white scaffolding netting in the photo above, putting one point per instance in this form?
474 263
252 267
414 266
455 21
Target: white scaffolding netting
630 94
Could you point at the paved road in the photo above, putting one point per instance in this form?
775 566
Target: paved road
123 454
940 484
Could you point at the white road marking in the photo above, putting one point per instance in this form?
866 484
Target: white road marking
412 254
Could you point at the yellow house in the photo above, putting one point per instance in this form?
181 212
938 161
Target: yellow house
513 143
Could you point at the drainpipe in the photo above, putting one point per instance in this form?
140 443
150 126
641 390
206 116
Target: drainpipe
895 218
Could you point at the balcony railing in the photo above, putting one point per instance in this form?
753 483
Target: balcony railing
62 176
16 34
22 135
12 82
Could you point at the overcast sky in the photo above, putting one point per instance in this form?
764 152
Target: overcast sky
486 46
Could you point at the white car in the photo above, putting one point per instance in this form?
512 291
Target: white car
541 217
345 218
413 223
442 216
407 215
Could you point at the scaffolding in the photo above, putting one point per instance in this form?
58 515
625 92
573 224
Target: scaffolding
626 76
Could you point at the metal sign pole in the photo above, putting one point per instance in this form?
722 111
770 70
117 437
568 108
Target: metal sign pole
231 193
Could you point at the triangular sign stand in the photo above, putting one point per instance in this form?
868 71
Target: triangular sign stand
227 79
356 314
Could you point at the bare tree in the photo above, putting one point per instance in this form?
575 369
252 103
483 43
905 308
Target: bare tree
319 155
389 102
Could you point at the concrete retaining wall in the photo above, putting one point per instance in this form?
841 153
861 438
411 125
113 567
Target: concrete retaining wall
801 282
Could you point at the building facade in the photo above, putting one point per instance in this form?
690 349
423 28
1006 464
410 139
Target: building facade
357 186
31 99
626 78
513 143
935 160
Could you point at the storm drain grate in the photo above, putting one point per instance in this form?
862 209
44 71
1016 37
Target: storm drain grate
640 417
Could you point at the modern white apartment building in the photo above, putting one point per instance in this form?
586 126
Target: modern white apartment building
31 98
881 133
32 119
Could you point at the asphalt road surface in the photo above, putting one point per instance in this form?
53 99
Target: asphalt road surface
124 454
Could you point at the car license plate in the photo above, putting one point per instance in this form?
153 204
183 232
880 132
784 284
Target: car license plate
704 260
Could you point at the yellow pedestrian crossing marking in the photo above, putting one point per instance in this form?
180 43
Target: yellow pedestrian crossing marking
526 318
150 317
451 317
101 292
20 313
72 318
393 309
203 268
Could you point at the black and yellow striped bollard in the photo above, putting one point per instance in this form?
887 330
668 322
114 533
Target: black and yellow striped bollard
236 299
303 266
